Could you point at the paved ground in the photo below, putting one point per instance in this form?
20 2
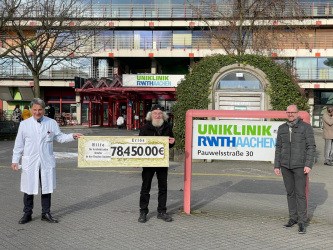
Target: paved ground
236 205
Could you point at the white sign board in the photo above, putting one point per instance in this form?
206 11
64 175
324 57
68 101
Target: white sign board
234 140
157 81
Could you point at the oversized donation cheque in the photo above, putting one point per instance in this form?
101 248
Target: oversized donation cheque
123 151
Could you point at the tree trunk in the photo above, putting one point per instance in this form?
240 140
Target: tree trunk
36 86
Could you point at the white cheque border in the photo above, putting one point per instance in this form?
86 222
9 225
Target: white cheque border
123 151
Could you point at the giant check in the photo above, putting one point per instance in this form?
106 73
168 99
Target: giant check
123 151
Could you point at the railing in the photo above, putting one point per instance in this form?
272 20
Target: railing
8 129
311 40
321 39
56 73
15 73
184 11
315 74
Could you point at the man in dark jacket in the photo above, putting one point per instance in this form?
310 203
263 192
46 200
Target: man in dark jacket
294 155
51 111
157 125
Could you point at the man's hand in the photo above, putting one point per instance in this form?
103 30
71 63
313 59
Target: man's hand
77 135
171 140
15 166
307 170
277 171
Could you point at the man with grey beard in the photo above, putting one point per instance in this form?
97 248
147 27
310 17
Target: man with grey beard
156 125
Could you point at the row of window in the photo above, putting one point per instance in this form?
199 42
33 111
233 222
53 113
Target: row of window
306 68
182 9
190 39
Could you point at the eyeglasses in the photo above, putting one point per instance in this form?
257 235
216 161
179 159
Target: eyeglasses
289 113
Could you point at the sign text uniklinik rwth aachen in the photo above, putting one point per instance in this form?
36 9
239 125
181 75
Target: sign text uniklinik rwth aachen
151 81
234 140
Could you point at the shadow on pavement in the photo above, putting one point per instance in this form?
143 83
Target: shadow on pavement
317 196
317 192
259 187
200 198
97 201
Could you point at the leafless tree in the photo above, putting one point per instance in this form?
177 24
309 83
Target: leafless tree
9 9
55 30
251 26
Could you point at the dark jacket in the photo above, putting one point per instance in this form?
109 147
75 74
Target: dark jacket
51 112
149 130
297 152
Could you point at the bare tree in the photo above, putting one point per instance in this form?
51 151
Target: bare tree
55 30
251 26
9 10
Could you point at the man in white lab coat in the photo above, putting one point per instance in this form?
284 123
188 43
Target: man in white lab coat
34 143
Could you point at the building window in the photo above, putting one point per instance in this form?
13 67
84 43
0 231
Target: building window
240 80
62 99
123 39
162 39
143 39
182 39
321 97
314 68
85 113
321 100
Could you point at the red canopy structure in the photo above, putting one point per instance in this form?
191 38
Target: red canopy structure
96 92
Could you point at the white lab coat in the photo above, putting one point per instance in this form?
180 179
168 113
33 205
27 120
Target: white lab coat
35 142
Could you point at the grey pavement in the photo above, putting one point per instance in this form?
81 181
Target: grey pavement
235 205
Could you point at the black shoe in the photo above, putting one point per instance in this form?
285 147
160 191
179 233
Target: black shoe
328 163
165 217
142 218
47 217
301 228
290 223
25 219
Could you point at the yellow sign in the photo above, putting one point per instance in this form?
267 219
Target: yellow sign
123 151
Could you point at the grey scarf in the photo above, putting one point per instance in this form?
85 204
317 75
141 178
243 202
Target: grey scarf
293 123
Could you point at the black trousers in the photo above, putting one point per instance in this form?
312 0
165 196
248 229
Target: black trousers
28 201
147 177
295 183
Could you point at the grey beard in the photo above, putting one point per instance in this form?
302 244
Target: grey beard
157 123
